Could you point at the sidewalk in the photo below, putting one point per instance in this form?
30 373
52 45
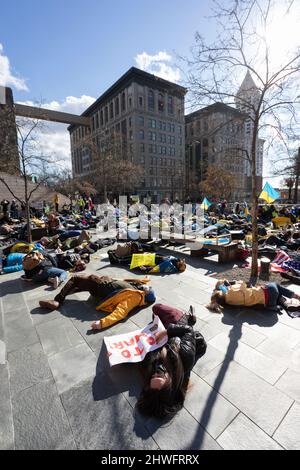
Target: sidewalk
55 392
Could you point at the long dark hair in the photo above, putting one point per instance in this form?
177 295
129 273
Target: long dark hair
167 401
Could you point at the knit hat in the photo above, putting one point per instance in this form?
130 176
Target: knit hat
149 294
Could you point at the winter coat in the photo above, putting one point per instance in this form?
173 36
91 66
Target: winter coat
120 304
240 294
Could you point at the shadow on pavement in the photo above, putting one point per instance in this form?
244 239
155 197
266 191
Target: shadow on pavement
235 317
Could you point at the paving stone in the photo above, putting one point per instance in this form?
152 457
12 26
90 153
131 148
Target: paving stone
12 302
208 407
289 383
275 330
253 360
101 418
72 366
1 322
183 432
41 315
280 351
27 366
6 419
260 401
58 335
243 434
19 329
288 433
2 352
208 362
213 326
40 421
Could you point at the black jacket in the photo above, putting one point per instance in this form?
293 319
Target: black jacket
191 344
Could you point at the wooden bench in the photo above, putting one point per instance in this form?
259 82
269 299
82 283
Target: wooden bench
226 253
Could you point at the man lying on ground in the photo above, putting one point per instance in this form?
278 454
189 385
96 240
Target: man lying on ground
118 297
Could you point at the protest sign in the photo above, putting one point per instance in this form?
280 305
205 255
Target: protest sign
133 347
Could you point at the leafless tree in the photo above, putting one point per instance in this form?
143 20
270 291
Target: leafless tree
30 161
111 161
242 45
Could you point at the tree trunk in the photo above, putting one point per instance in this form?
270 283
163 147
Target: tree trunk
254 267
29 236
297 178
290 193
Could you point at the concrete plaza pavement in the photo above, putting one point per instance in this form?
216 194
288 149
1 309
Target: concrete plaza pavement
58 392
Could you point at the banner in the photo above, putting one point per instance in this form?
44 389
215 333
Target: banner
133 347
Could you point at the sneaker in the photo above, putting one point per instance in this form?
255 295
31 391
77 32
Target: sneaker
56 282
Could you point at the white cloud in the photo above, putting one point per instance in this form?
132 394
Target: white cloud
159 64
6 75
53 138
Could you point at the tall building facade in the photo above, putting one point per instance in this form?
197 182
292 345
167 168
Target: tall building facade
214 136
9 155
148 113
247 100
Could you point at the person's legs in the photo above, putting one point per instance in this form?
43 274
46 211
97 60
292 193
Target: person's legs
273 294
287 292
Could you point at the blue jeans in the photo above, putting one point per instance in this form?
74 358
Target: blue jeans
69 234
275 291
50 273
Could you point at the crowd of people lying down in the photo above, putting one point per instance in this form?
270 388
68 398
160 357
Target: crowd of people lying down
60 259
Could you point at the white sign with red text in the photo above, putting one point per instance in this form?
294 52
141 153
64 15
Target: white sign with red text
133 347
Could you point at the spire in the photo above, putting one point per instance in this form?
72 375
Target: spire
247 84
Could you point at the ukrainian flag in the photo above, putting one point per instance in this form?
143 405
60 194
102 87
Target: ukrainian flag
205 204
269 194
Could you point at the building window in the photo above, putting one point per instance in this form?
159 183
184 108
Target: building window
130 102
141 135
142 148
150 100
141 121
117 107
101 118
180 129
123 102
170 105
141 101
97 121
142 159
106 114
130 135
129 122
118 128
111 110
161 103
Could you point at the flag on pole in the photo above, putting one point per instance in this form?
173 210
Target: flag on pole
269 194
205 204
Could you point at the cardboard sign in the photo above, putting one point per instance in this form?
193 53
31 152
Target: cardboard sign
142 259
133 347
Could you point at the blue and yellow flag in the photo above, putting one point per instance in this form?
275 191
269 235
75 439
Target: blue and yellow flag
205 204
269 194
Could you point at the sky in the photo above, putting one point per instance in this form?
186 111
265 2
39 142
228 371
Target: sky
66 53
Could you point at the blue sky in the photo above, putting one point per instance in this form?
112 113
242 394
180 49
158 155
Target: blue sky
66 53
75 47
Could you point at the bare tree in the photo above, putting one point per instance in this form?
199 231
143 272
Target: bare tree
244 47
218 184
29 163
111 161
